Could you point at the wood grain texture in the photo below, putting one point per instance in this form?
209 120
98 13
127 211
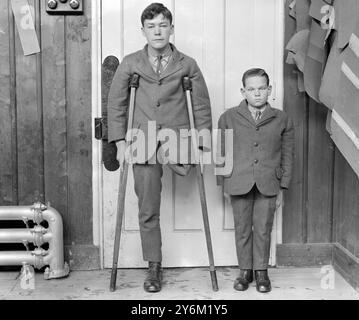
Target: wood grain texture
54 115
79 135
6 133
46 102
13 106
294 105
82 257
347 265
28 123
346 205
318 197
304 255
320 167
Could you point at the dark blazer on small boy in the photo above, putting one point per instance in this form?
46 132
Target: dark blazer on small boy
262 151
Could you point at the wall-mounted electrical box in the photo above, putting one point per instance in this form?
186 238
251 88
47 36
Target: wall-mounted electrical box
64 7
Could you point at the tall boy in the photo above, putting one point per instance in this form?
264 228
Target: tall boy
263 142
159 98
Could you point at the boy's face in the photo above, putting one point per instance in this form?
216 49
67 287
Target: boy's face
157 32
256 91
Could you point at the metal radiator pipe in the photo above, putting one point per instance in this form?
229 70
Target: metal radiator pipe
24 213
18 258
54 257
38 235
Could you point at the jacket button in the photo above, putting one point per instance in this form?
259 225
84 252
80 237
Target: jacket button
255 144
255 161
257 128
159 83
158 104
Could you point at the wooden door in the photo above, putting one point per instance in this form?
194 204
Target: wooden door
226 37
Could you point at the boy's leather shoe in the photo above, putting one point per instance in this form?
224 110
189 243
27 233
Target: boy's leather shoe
153 282
244 279
262 281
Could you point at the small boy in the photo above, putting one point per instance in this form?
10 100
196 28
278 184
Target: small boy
263 143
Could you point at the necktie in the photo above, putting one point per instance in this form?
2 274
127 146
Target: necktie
258 115
159 65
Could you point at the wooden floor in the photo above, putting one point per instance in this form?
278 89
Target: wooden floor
179 284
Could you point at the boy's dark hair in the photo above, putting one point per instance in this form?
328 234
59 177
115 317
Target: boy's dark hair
255 72
153 10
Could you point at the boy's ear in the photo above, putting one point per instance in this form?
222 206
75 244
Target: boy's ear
143 31
172 29
243 93
270 90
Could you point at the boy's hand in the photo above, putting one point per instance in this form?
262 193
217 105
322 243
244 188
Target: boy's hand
121 149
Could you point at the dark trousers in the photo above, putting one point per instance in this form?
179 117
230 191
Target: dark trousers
253 221
148 186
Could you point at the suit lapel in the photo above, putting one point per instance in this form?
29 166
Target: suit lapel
144 67
268 114
245 113
175 63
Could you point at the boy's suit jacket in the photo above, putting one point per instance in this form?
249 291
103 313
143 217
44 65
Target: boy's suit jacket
262 152
159 98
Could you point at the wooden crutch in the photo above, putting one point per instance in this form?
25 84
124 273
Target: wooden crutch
123 182
187 87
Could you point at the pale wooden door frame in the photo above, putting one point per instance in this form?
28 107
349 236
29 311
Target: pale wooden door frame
97 177
279 95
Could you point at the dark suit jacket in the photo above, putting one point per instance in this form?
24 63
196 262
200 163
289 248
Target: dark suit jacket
262 152
159 99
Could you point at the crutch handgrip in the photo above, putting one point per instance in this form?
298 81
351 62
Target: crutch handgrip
186 83
135 80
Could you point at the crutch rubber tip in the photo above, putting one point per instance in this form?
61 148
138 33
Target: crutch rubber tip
113 279
214 280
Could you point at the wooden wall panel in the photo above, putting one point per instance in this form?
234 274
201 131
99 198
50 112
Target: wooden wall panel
322 205
7 196
308 212
29 144
346 205
54 114
79 134
320 176
45 123
294 105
